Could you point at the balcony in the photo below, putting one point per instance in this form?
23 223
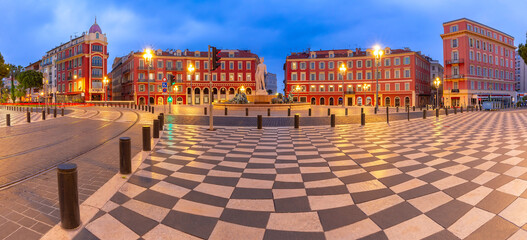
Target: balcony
454 76
454 90
145 68
455 61
144 80
350 92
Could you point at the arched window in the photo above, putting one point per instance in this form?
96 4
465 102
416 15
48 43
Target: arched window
97 35
96 61
397 101
313 101
387 102
368 101
331 101
322 101
407 101
359 101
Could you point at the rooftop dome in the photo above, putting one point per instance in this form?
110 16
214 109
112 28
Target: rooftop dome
95 27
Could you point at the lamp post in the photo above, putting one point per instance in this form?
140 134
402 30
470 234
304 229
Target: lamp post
105 81
378 55
296 89
191 71
148 60
342 73
437 82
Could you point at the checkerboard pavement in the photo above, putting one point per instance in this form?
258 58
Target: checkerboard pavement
456 177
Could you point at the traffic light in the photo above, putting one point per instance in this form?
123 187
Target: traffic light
215 58
171 79
169 99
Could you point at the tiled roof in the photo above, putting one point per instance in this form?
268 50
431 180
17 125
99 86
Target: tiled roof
340 53
237 54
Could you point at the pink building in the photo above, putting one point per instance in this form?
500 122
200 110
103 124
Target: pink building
479 63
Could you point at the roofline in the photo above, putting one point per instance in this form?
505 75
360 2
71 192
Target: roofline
479 24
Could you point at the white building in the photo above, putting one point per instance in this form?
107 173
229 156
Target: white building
270 82
520 74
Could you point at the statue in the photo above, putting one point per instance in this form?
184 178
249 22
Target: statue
261 72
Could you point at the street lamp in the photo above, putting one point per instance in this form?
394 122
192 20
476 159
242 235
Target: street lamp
437 82
378 55
242 89
343 70
296 89
191 71
148 60
105 81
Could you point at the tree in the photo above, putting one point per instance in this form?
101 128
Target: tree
30 79
522 50
14 71
3 68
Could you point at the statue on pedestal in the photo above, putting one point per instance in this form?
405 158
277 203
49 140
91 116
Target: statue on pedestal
261 72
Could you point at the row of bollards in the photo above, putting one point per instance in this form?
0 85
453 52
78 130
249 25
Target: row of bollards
67 175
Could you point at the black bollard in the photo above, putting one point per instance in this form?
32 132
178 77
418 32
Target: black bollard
8 119
408 113
259 121
387 115
156 128
54 113
297 121
461 108
362 119
437 112
62 112
246 111
68 195
455 111
160 118
205 111
309 112
153 108
125 155
289 112
268 112
397 109
43 114
28 116
424 114
446 112
346 112
375 110
146 138
413 108
225 111
329 111
48 111
332 120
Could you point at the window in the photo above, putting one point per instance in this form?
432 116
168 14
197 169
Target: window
160 64
331 88
95 72
387 87
303 65
96 61
407 73
293 65
359 76
321 76
223 77
231 76
222 65
387 74
406 60
312 65
350 76
350 64
159 88
248 77
303 76
359 64
331 76
240 76
248 65
96 48
453 28
321 65
455 56
397 74
397 87
368 63
331 65
159 76
293 76
454 43
214 77
240 65
312 76
321 88
231 65
197 65
368 75
387 62
407 86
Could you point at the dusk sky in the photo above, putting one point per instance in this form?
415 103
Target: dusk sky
271 29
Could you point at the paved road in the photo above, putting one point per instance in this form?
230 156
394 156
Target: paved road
86 136
458 177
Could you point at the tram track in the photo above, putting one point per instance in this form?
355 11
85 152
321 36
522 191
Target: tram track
24 178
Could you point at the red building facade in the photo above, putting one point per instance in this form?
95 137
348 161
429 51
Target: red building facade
130 74
479 63
77 68
404 77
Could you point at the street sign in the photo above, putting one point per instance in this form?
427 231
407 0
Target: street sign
164 90
164 84
164 79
